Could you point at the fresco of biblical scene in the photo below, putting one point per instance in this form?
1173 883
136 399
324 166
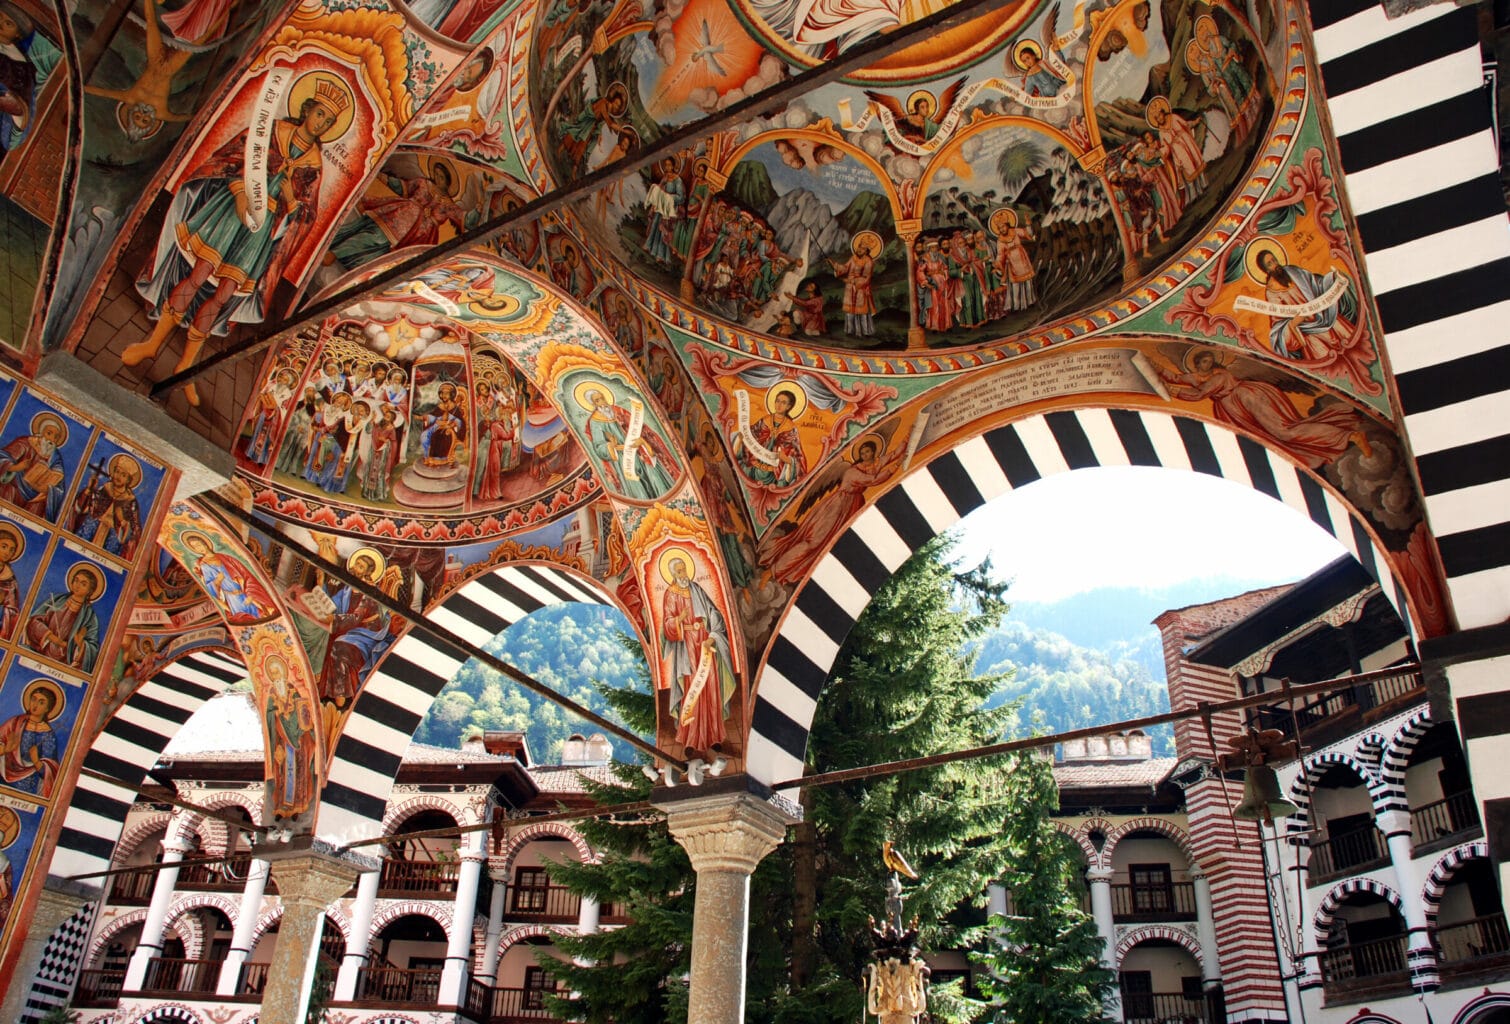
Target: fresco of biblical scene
627 443
170 596
1014 233
231 583
521 241
471 115
405 415
19 822
461 21
569 269
623 323
156 68
33 123
41 451
21 548
37 714
115 499
71 611
418 199
237 240
1178 92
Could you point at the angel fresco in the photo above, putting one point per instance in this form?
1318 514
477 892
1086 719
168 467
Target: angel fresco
220 253
923 116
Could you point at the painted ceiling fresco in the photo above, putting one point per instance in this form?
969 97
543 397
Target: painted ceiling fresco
686 383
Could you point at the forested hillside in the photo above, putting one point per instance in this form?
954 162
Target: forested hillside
573 648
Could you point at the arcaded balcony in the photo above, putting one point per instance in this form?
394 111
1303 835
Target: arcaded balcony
1443 811
1365 957
1346 841
1151 880
404 966
421 867
1158 982
1470 935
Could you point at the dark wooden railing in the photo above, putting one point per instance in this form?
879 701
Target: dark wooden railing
511 1005
1479 939
253 979
133 890
1162 1008
613 913
1443 820
1370 691
228 876
99 988
1365 966
1173 902
394 986
477 1001
418 876
169 975
1348 851
555 903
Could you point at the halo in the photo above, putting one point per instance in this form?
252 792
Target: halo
92 570
304 88
59 701
583 392
1196 57
1260 245
183 538
427 164
1002 221
1025 46
670 555
869 239
787 387
620 90
1206 24
13 531
122 459
1187 361
922 94
123 118
10 826
872 438
486 53
1159 106
41 419
494 305
378 560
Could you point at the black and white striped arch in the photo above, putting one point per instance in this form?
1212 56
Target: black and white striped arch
937 496
1416 138
127 748
397 696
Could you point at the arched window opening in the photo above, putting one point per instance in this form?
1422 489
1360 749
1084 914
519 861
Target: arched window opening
1470 935
1365 948
230 874
1150 880
533 896
404 964
421 866
172 975
1160 981
254 973
524 983
1443 812
135 890
1346 840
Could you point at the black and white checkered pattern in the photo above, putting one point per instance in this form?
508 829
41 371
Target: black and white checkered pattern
1416 138
937 496
397 696
62 958
126 749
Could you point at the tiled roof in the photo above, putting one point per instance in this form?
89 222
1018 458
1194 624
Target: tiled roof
568 778
1099 774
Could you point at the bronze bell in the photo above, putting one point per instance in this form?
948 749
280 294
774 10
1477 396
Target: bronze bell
1262 800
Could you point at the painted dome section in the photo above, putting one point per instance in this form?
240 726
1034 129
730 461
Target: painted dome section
954 199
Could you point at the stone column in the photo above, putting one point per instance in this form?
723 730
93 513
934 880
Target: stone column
151 944
1420 955
1100 880
587 916
500 879
1205 929
725 836
57 902
246 924
453 980
309 881
362 909
996 901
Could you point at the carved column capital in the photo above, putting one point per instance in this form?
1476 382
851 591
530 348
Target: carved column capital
313 879
730 832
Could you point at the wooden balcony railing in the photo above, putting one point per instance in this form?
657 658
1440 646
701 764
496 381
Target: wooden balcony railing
1136 903
553 903
1444 820
1365 967
133 890
394 986
1365 692
1472 945
1162 1008
517 1005
405 877
1357 850
98 989
170 975
613 913
477 1001
229 876
253 979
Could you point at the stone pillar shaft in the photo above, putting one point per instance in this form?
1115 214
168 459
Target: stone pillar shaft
495 927
362 909
151 944
453 980
1421 955
1100 880
246 924
307 885
1205 928
725 836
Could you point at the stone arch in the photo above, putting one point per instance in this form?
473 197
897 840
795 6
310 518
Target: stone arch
1178 936
394 699
169 1012
1326 911
1396 757
110 929
1081 838
519 840
144 829
1442 871
1370 750
335 913
199 900
1470 1014
214 834
399 813
1311 771
933 497
514 936
440 913
1167 829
